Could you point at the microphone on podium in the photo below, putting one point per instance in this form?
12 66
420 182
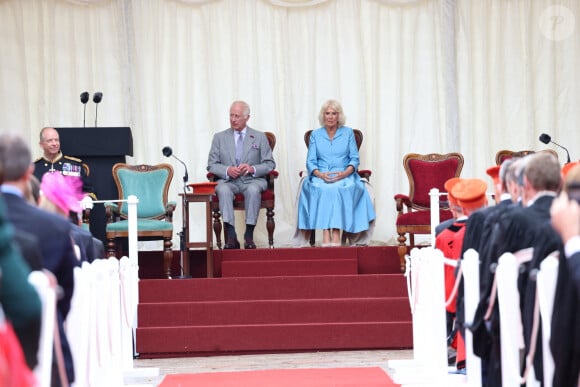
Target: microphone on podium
84 100
168 152
97 97
546 139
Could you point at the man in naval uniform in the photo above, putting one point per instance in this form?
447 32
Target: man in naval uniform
53 160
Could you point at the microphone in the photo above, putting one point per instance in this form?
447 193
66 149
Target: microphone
97 97
545 138
168 152
84 100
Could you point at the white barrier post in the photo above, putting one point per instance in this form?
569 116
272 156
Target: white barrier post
511 336
47 294
434 197
546 283
132 202
427 298
470 268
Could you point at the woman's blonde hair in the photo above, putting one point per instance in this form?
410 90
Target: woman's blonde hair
334 105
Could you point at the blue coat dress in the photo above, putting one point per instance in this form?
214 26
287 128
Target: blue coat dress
345 204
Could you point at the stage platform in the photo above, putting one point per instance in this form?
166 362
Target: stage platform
274 300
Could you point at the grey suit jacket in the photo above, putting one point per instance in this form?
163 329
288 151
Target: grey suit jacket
256 152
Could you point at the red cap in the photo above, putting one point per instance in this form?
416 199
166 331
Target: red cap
449 184
470 193
493 172
567 167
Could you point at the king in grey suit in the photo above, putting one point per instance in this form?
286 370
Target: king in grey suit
240 169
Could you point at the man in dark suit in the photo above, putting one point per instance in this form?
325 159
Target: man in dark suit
565 324
241 157
515 230
53 232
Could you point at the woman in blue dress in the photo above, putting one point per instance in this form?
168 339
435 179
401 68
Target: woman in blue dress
333 197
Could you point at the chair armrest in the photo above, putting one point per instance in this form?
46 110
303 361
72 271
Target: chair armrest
365 174
111 211
401 201
86 216
270 177
169 209
211 177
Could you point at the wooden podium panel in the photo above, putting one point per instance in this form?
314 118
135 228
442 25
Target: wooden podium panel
100 149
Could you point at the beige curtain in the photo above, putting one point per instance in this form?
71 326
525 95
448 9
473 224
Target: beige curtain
414 76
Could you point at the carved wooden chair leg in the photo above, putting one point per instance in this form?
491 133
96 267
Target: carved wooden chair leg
270 225
167 257
217 228
402 250
111 248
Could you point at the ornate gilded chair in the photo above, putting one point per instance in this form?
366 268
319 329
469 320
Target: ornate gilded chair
505 154
424 171
150 184
363 173
267 202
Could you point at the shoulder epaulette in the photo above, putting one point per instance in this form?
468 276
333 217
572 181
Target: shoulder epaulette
73 159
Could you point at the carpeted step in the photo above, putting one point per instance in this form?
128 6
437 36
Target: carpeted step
274 312
286 254
173 341
289 262
272 288
295 267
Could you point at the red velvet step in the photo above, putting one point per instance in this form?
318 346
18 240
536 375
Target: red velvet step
272 288
207 313
269 300
289 262
192 340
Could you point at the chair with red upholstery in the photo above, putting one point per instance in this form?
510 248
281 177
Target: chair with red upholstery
363 173
424 171
267 202
505 154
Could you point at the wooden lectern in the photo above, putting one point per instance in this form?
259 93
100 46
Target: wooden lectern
100 149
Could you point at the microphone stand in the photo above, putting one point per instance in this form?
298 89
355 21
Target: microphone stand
181 234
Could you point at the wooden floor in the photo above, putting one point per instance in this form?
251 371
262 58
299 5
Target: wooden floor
150 372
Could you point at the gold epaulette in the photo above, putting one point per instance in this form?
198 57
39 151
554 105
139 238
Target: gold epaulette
73 159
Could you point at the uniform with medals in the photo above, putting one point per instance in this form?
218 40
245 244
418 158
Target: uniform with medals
67 165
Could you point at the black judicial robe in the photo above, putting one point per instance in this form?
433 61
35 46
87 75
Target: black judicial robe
515 230
547 240
565 339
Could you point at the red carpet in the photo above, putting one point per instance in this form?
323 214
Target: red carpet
308 377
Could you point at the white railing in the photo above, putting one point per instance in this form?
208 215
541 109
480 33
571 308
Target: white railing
103 318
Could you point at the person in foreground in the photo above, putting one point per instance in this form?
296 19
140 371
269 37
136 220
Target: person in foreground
565 324
52 232
240 157
333 197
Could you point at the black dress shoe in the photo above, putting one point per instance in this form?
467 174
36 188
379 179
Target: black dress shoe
232 244
249 244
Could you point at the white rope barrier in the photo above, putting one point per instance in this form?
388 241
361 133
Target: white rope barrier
103 319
